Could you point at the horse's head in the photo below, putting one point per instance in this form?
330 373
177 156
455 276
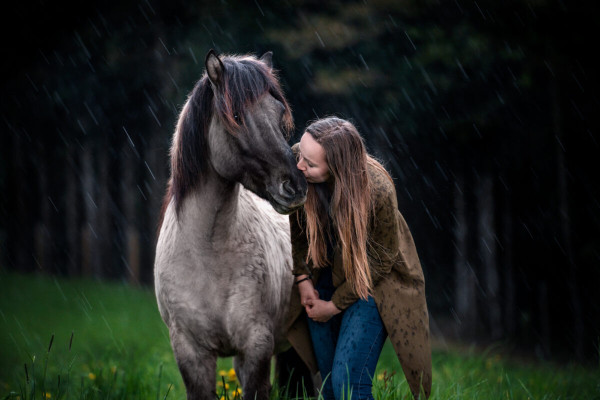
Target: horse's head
247 132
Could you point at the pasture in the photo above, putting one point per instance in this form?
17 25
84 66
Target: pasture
82 339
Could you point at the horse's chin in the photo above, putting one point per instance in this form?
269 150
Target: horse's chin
284 209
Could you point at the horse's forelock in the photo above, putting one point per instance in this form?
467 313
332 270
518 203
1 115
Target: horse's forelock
247 79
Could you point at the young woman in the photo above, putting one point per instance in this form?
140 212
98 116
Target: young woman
358 277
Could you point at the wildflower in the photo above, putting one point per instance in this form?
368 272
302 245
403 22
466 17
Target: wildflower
222 373
381 376
48 395
222 398
220 384
92 376
237 392
231 375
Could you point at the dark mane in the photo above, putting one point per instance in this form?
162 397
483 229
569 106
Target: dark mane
245 80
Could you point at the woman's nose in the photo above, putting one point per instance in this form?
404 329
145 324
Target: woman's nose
300 165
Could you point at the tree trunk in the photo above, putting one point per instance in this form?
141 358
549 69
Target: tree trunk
544 312
103 267
72 216
565 225
22 222
487 250
510 290
129 194
465 299
88 231
42 237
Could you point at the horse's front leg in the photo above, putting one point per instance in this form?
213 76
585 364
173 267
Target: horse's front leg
197 367
253 364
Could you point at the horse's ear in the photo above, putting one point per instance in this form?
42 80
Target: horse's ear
267 58
214 67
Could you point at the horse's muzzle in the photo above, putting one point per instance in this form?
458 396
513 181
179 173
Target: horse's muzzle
287 197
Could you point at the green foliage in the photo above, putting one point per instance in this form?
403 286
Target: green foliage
80 339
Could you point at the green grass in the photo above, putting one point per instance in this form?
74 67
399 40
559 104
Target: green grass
108 342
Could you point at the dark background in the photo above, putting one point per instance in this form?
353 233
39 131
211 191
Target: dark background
486 114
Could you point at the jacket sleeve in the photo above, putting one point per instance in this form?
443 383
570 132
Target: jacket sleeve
299 244
383 242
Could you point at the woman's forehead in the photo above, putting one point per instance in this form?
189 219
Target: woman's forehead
311 149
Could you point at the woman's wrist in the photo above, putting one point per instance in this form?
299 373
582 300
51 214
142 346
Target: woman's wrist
302 278
335 308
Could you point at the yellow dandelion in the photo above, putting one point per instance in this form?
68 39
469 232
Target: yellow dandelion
381 376
92 376
222 373
222 398
238 392
48 395
231 374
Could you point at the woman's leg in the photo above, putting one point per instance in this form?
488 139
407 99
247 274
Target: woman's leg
324 335
359 345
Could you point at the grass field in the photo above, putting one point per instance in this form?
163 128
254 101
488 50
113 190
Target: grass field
107 341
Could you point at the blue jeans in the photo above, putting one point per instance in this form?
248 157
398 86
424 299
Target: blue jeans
347 346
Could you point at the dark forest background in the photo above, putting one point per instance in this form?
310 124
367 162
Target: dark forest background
485 112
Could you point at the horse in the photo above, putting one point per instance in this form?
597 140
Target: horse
223 262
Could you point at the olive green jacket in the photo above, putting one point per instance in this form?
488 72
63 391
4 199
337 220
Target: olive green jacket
398 285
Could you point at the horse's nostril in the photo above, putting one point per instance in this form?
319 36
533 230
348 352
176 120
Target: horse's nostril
287 189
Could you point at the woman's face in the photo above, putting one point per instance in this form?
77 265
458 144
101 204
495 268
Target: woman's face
312 160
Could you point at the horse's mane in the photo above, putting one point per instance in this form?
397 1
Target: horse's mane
245 79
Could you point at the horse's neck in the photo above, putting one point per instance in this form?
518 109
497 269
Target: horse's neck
214 207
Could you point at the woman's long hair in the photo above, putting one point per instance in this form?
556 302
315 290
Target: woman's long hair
350 205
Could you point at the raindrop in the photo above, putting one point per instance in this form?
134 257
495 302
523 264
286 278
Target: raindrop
410 40
320 40
259 9
363 61
412 105
154 115
462 69
193 56
168 52
90 112
147 166
129 137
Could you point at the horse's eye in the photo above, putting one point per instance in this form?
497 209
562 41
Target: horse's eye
236 117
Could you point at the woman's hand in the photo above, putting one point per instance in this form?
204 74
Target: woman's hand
307 291
320 310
